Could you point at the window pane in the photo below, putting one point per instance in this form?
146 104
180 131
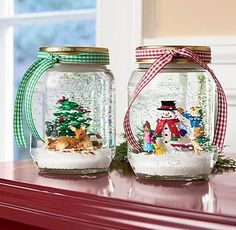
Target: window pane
27 40
29 6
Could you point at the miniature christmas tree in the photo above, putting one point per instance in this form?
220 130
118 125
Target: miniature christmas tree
68 114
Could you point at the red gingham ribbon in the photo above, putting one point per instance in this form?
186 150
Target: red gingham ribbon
163 57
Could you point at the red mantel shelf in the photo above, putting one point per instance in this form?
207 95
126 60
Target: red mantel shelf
112 201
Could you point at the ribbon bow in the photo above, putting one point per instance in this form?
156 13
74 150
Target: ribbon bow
163 57
27 85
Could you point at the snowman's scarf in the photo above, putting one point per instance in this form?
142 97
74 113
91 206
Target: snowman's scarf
163 57
171 125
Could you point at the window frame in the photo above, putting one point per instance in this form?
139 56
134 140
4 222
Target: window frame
7 22
6 86
127 15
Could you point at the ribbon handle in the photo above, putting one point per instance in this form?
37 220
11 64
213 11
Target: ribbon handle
24 96
154 69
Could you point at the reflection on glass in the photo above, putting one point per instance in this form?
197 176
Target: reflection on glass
29 6
196 195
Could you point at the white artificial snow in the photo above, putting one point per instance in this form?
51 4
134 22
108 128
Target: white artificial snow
73 160
184 164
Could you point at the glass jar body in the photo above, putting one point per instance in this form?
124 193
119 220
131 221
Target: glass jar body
73 110
173 120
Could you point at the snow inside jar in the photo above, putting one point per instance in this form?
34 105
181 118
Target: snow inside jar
176 120
69 109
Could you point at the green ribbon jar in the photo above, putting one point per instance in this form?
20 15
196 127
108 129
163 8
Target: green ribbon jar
67 98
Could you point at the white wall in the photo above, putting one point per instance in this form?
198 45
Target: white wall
119 28
175 18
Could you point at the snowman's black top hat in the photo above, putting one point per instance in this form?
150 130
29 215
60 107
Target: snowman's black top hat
167 105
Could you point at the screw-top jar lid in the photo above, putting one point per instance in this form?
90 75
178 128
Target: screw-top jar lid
79 54
73 49
148 54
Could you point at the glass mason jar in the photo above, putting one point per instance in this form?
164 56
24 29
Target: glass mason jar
72 107
172 118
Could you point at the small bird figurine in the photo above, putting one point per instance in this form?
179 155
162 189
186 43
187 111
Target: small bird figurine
197 148
157 149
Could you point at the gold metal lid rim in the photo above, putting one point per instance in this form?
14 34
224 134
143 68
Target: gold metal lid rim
73 49
199 48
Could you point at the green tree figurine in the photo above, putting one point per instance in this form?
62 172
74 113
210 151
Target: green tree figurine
67 114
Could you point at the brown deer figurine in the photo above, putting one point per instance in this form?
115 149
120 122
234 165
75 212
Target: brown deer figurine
79 141
82 137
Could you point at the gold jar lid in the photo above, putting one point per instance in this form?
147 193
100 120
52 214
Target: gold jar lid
148 54
75 54
175 47
73 49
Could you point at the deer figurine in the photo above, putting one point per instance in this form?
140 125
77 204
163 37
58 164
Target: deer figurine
82 137
79 141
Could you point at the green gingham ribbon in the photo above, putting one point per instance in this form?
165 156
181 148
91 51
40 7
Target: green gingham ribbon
27 85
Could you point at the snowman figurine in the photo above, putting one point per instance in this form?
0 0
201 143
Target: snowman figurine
168 125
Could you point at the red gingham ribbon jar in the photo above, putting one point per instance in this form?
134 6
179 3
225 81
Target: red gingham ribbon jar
176 119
